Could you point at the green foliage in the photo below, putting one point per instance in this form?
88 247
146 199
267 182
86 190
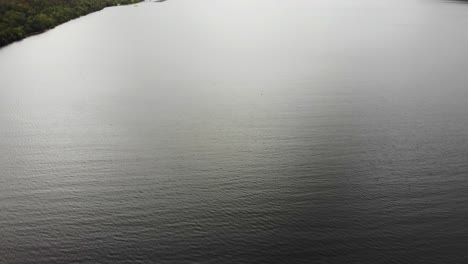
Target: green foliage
22 18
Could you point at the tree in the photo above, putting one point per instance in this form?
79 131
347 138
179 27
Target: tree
21 18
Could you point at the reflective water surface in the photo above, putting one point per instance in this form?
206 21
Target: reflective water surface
239 131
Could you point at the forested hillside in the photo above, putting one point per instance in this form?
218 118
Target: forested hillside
21 18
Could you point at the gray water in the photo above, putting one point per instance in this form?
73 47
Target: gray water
242 131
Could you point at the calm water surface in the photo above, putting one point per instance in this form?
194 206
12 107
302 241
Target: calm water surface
247 131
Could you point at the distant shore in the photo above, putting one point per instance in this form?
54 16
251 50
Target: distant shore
20 19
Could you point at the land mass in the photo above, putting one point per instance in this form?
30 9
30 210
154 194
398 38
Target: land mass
22 18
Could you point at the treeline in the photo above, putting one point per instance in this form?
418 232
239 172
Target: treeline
22 18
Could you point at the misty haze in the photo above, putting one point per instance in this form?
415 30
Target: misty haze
234 131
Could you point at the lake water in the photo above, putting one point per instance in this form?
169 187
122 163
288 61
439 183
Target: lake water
239 131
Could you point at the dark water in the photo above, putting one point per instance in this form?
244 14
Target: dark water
248 131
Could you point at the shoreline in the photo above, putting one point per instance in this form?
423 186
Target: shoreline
16 38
